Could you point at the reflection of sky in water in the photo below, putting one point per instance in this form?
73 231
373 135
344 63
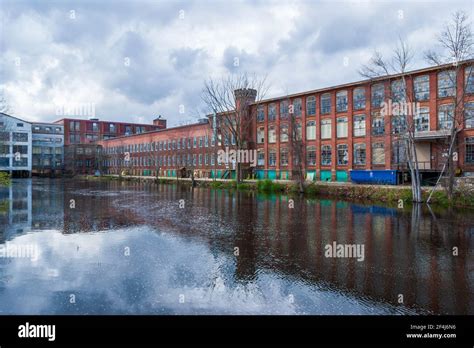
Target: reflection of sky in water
160 268
190 252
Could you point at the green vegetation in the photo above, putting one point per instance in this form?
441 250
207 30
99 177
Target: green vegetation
4 206
267 186
464 196
4 179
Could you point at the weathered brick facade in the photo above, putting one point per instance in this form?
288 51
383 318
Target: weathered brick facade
357 137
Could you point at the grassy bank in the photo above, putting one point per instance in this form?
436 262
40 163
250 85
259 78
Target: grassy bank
391 195
5 179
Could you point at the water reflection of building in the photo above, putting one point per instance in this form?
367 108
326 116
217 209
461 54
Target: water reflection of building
405 253
48 204
31 205
15 214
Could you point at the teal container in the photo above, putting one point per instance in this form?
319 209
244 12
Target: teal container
272 174
341 176
326 175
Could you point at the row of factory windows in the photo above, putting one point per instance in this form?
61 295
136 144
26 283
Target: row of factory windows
398 91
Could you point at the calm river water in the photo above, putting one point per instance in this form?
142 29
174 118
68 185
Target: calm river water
88 247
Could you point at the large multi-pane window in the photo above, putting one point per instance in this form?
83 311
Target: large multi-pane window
311 130
272 157
342 155
469 114
422 119
296 107
399 154
21 137
470 150
358 98
398 91
359 154
341 101
399 124
21 162
326 103
284 156
422 87
326 128
377 95
359 125
74 126
311 106
283 133
311 155
271 134
260 113
260 135
469 79
378 123
446 83
23 149
445 116
378 153
271 112
284 108
342 127
260 157
326 154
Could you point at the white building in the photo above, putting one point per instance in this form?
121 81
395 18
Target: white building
48 146
15 145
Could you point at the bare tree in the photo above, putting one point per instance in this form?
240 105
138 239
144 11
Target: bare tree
151 158
296 144
405 131
231 99
119 158
456 46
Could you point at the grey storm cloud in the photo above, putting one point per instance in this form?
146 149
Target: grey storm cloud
137 59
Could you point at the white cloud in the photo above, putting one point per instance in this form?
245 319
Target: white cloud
300 45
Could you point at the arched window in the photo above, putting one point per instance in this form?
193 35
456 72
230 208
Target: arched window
311 106
311 130
341 101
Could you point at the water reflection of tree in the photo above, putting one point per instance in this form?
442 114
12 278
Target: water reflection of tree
245 240
406 252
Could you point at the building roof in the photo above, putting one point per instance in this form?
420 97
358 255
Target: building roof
158 131
48 124
19 119
106 121
363 82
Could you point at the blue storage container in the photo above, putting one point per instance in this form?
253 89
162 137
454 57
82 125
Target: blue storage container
379 177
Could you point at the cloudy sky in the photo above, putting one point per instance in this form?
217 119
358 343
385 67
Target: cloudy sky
134 60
